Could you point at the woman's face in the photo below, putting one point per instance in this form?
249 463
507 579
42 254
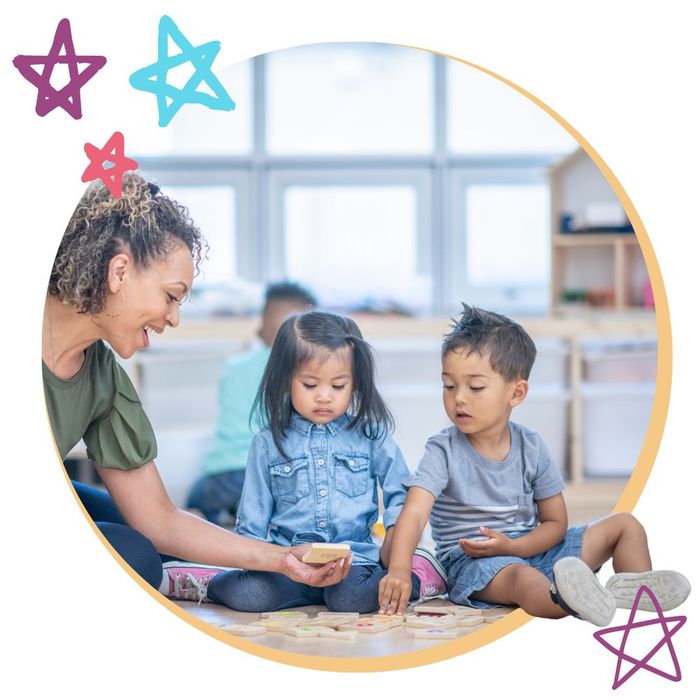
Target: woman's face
150 302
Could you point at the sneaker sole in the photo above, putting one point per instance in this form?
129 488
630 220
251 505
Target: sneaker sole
579 589
670 588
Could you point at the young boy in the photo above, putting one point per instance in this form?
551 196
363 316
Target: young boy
494 497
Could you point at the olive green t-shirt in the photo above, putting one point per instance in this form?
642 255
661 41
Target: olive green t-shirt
100 406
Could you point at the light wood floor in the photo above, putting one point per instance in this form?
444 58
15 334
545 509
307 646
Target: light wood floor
585 503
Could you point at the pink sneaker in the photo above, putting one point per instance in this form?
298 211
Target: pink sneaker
188 581
432 577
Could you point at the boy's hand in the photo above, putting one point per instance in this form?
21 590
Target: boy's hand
394 593
498 544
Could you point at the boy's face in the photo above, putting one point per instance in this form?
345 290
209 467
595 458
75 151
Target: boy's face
275 313
477 399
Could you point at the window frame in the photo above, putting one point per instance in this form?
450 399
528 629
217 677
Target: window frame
260 179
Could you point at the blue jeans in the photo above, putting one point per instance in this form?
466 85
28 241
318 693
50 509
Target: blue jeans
137 551
262 591
466 575
212 494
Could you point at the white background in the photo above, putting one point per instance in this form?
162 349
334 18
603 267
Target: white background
623 74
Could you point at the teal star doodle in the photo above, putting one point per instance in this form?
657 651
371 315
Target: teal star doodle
153 78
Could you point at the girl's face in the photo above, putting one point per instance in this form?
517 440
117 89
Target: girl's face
322 390
150 302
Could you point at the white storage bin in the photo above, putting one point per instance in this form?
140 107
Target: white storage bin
178 383
409 360
619 360
419 360
418 412
181 452
546 410
615 424
552 361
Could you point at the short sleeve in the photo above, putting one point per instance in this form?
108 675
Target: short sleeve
123 438
432 474
548 480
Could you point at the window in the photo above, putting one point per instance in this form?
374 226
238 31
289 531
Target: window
381 176
358 238
487 116
349 99
501 259
196 130
355 245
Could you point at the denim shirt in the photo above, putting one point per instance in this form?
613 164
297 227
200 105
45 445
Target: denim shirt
326 491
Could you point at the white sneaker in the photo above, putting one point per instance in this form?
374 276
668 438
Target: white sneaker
670 588
577 590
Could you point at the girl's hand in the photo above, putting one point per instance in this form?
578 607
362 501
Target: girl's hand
394 593
498 544
313 574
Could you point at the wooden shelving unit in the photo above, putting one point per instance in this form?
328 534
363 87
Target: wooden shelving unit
609 265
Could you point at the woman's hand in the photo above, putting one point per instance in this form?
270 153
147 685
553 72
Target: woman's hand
394 593
496 545
311 574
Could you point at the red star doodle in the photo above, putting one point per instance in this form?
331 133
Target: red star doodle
68 97
111 155
680 620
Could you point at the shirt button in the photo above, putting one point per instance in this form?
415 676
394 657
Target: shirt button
322 492
288 469
322 523
320 462
352 462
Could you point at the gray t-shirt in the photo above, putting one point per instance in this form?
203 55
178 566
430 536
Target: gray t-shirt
471 490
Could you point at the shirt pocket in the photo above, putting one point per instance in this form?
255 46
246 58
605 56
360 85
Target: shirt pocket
290 480
351 473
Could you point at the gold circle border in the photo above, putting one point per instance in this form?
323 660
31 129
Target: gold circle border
626 502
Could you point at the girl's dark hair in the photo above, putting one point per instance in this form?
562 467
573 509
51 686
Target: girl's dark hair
143 222
315 335
510 349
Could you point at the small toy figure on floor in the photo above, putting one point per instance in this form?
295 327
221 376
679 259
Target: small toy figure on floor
312 472
498 515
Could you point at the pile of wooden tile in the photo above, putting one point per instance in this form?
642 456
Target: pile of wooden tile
423 621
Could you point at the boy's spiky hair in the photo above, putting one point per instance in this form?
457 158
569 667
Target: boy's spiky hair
506 343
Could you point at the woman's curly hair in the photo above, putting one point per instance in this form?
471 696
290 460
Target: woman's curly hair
143 222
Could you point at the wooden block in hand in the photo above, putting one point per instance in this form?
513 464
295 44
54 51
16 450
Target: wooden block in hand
323 552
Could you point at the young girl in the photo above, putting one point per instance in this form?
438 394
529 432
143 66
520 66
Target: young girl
312 472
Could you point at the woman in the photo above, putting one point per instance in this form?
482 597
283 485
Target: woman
122 270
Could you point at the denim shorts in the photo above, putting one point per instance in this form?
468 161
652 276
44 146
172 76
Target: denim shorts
466 574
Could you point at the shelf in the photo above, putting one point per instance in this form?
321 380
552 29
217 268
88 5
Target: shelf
593 239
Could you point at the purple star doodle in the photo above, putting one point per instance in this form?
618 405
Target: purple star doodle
68 97
680 620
